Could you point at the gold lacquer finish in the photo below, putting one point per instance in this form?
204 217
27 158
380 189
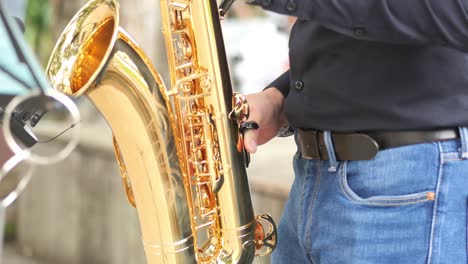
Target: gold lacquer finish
176 147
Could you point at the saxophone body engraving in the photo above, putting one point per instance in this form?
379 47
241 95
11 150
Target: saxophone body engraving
178 151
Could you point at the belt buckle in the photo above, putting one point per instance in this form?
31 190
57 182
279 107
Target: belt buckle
309 144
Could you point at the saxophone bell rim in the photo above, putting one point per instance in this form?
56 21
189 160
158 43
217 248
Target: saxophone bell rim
72 36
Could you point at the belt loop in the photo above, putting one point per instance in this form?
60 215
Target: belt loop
331 151
464 142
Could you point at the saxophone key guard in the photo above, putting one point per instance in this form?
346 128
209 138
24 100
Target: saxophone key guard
240 108
265 243
240 112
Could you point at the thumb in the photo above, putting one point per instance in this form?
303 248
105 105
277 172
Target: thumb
251 140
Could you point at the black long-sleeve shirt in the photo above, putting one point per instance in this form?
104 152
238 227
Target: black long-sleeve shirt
376 64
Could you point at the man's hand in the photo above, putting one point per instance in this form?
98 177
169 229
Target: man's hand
266 108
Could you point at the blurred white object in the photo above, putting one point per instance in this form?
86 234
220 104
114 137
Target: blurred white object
257 52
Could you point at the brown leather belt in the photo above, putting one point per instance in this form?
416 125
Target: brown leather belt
364 146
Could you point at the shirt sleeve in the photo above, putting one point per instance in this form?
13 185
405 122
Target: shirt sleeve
424 22
281 83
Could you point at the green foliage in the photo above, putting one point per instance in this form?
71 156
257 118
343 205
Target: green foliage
39 18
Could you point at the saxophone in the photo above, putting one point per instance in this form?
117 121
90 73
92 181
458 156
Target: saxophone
179 149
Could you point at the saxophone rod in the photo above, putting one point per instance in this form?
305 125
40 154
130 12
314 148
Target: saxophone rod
224 7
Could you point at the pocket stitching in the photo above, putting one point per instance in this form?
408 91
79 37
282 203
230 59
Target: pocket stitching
378 200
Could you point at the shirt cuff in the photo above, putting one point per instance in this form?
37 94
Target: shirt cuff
281 83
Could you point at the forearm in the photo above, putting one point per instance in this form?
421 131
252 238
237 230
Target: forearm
277 99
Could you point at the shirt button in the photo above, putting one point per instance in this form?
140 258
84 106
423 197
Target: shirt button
360 31
291 6
299 85
266 3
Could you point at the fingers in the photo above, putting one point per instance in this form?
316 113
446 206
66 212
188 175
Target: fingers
251 134
266 110
251 140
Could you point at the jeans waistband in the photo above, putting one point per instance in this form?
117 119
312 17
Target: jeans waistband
327 145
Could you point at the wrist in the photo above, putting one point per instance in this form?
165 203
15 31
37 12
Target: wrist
276 98
274 95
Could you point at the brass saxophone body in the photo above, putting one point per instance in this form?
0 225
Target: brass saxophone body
179 148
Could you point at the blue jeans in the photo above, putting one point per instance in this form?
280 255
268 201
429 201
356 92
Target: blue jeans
407 205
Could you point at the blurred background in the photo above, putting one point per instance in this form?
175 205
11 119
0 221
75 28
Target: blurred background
76 212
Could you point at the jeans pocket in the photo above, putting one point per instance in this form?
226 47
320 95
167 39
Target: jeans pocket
394 178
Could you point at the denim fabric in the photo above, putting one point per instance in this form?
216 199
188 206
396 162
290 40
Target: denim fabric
407 205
